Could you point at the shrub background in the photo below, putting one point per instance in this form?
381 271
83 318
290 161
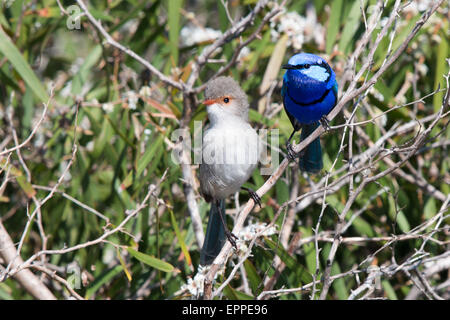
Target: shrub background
110 122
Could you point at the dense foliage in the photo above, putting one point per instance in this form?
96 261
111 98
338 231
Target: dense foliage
109 122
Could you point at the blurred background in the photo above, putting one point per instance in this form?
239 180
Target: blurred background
120 117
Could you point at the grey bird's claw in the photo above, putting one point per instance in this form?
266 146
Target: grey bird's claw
325 123
255 197
231 237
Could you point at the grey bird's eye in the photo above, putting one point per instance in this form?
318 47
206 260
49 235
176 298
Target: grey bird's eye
226 100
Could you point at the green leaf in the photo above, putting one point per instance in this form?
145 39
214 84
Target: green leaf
26 186
3 20
310 251
272 69
124 266
363 227
149 154
282 190
281 252
5 292
102 138
441 66
120 133
100 14
350 28
253 277
234 294
174 27
390 292
101 280
339 284
430 208
180 238
333 24
10 51
399 217
151 260
256 54
81 77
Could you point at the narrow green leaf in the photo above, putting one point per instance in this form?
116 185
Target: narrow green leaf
100 14
275 61
310 251
120 133
124 266
174 27
282 190
253 277
3 20
102 138
5 292
180 238
26 186
256 54
81 77
333 24
350 28
399 217
363 227
151 260
149 154
390 292
128 181
101 280
339 284
283 254
430 208
234 294
441 66
10 51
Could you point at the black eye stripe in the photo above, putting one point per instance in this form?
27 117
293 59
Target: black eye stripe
308 65
322 64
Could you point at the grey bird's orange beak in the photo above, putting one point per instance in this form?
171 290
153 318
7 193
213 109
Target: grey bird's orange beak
209 102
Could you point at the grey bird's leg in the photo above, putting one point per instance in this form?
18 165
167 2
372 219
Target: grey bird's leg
230 236
253 195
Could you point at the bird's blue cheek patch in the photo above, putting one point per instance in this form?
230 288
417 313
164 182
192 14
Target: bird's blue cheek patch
316 72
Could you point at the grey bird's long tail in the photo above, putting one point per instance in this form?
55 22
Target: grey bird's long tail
215 233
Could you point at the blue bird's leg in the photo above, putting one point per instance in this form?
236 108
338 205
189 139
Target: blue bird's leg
253 195
325 122
291 154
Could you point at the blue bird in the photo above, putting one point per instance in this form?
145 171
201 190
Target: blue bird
309 93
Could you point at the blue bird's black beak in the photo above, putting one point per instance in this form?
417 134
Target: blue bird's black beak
288 66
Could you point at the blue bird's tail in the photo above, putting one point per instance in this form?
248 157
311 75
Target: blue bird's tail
311 160
215 234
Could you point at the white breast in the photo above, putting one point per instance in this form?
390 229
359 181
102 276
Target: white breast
230 154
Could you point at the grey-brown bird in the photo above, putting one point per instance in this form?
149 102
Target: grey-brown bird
230 152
